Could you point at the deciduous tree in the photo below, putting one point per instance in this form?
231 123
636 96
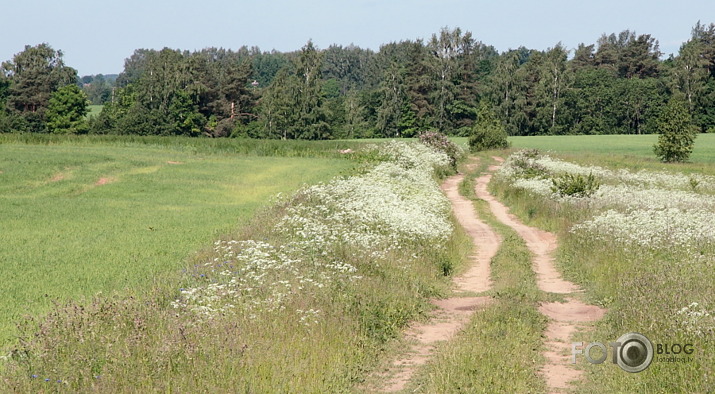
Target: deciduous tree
677 133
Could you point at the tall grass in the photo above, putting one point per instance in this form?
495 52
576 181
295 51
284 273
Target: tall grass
253 147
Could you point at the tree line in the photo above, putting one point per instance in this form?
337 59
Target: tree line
617 85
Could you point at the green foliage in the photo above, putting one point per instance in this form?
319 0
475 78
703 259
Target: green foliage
98 88
488 132
294 103
677 133
170 92
187 120
67 111
617 85
526 166
33 75
575 185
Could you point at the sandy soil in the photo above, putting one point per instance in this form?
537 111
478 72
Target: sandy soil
104 181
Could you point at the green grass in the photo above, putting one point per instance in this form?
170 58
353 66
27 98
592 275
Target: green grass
638 146
143 343
253 147
605 147
63 236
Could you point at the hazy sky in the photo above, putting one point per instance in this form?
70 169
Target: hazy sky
97 35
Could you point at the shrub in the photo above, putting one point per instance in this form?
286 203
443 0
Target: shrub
441 143
488 131
67 110
575 185
524 164
677 132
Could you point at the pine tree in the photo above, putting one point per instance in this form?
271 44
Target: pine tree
34 75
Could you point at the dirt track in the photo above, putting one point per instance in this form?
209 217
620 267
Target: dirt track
565 318
453 313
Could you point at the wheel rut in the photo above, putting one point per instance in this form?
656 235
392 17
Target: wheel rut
564 318
451 314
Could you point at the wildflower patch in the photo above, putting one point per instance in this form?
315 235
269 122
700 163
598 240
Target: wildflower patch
393 205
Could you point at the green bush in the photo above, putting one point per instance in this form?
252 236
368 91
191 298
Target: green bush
575 185
677 132
488 131
526 165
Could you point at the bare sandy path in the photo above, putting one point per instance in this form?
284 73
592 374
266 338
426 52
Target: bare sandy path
565 318
451 314
541 243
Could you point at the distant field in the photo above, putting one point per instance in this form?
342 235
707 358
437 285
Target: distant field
621 145
95 110
77 219
625 145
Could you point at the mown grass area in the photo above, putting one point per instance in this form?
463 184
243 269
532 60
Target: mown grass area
88 217
500 348
647 275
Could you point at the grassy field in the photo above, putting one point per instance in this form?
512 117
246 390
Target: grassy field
306 295
637 146
302 297
599 147
82 218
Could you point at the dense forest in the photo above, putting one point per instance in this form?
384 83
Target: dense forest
617 85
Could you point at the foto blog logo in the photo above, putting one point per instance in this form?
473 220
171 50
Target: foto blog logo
633 352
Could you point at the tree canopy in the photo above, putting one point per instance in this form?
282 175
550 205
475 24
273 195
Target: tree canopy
618 84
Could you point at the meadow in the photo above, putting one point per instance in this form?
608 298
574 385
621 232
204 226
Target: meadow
620 146
304 295
78 218
601 147
173 266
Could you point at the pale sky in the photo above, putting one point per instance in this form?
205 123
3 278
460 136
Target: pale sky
97 35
